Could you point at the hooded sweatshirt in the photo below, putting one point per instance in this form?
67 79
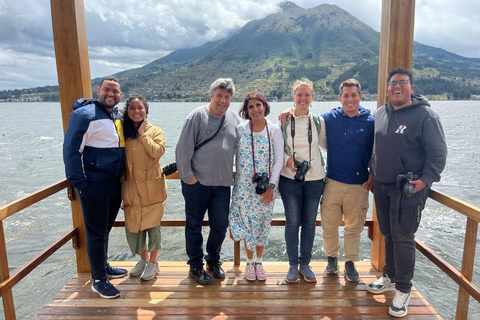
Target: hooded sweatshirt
349 145
410 139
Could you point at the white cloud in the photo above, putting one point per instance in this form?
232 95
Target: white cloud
125 34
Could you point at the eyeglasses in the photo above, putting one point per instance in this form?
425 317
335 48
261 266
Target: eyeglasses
401 83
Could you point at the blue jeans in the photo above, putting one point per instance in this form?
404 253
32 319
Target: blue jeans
398 220
300 200
100 204
199 199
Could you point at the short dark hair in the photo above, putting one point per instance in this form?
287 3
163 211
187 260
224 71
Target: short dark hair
109 78
350 83
243 112
400 71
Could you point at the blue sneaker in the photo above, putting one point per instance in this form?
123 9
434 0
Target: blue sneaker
104 288
307 273
114 273
292 275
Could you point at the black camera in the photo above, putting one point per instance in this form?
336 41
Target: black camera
169 169
408 189
261 179
302 168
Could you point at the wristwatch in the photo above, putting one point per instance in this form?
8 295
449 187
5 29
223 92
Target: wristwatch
271 185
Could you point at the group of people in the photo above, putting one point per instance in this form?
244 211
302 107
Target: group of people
112 160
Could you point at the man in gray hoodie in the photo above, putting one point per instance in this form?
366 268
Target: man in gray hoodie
206 175
409 153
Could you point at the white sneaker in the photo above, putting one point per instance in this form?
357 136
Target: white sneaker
380 285
150 271
138 269
399 306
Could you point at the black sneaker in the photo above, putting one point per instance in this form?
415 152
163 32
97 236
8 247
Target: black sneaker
351 273
114 273
332 266
215 268
200 275
104 288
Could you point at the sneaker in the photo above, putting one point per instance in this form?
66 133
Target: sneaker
399 306
292 275
150 271
307 273
138 269
351 273
332 265
104 288
250 272
380 285
113 272
260 271
200 275
215 268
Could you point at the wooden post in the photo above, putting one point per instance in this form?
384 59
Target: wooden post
468 262
74 82
396 51
7 297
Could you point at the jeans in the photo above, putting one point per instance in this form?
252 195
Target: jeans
199 199
300 200
398 220
100 204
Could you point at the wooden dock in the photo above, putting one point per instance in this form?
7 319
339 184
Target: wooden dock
173 295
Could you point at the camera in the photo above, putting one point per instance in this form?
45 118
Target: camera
261 179
169 169
408 189
302 168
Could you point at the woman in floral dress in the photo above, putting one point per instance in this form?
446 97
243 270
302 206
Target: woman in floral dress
259 160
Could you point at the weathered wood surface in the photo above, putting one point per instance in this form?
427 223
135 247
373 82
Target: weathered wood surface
173 295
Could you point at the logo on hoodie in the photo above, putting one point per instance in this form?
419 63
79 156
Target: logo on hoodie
401 128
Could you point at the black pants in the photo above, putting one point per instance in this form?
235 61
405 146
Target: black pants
100 204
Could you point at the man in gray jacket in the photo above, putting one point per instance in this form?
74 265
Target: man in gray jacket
409 153
206 175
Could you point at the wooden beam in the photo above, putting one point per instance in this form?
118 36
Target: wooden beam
396 51
7 296
74 82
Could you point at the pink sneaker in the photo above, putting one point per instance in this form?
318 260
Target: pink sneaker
261 273
250 272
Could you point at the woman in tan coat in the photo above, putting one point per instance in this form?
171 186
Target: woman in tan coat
145 190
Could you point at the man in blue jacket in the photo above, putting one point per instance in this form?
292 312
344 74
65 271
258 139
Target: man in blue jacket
408 156
94 160
349 145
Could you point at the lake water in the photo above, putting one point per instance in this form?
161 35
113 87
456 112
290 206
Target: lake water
31 139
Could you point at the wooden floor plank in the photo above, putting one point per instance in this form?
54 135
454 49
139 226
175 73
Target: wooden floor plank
173 295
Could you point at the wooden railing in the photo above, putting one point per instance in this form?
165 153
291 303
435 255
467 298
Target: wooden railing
463 278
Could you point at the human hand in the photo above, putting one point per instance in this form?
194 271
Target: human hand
267 196
291 164
193 181
419 184
143 127
285 115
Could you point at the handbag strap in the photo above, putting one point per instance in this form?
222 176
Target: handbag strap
198 146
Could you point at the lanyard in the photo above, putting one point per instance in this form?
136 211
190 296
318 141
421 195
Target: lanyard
292 126
269 148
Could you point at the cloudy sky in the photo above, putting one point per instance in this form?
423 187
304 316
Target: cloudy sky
124 34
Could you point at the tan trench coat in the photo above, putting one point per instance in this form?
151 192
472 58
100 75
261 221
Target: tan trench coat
145 190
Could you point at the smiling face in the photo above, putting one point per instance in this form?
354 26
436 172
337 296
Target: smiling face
399 90
302 99
256 110
219 102
350 99
136 111
109 94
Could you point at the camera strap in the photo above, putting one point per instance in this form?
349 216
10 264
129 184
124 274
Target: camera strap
201 144
269 148
310 138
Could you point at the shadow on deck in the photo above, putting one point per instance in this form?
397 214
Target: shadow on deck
173 295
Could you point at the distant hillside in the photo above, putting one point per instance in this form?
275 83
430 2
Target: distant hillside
326 44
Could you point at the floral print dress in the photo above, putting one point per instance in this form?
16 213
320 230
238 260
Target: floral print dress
249 218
